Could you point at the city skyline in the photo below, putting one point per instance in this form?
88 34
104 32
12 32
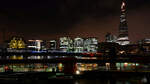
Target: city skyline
75 41
73 18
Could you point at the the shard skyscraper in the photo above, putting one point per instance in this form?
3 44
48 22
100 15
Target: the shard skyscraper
123 38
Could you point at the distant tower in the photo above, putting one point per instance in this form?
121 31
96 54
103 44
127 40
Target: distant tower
110 38
123 38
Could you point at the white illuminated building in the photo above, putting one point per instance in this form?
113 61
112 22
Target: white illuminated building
35 44
123 41
91 45
78 44
66 44
147 40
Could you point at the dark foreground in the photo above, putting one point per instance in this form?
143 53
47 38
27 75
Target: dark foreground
93 77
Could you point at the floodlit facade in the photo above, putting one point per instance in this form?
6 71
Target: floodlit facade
13 43
16 43
36 44
78 44
123 41
123 38
20 43
91 45
66 44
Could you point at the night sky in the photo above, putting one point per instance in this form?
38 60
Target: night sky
50 19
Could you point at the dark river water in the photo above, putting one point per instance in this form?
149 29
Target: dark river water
136 80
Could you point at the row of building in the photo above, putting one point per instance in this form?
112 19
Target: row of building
64 44
112 38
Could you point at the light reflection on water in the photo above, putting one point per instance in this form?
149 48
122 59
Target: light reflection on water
94 81
125 80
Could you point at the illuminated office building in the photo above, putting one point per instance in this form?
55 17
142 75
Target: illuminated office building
123 38
66 44
78 44
91 45
20 43
16 43
13 43
36 44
